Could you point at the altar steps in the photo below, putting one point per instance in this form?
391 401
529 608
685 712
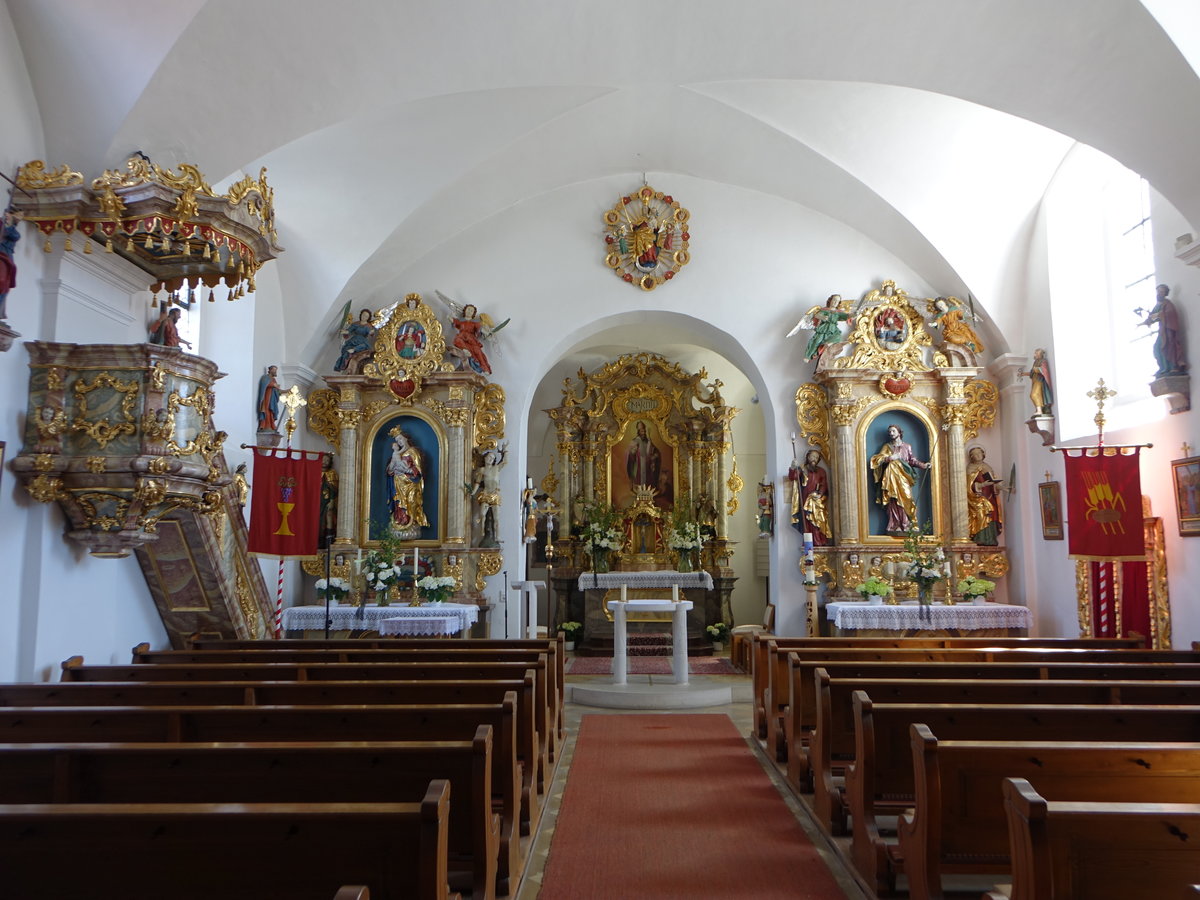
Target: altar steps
643 644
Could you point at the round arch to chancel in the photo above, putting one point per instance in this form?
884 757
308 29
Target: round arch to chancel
703 358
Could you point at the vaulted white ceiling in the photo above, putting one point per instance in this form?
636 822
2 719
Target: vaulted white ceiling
930 126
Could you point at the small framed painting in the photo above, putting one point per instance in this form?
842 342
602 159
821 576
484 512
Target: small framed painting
1187 494
1050 497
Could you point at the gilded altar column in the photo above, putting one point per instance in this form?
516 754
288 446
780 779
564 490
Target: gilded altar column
349 416
456 511
568 455
589 468
722 493
954 413
845 469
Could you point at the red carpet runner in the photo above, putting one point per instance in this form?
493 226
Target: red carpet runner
660 806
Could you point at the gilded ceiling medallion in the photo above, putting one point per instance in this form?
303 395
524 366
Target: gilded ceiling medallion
647 236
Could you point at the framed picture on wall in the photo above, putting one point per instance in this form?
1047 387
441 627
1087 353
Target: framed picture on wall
1187 494
1050 500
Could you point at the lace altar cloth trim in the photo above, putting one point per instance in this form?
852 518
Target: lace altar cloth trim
963 616
367 618
639 580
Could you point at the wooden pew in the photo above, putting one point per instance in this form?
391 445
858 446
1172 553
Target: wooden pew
353 892
770 684
957 824
536 769
273 724
768 653
542 654
1098 851
277 773
801 709
306 693
200 851
815 767
880 781
554 645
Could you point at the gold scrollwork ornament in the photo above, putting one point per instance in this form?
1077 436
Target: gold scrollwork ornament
489 564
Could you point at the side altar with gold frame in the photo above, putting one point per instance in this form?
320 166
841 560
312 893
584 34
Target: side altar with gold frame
410 421
901 387
651 442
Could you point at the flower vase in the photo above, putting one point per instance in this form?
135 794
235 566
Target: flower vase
685 561
718 646
600 562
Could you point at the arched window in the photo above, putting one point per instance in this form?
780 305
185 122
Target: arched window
1101 278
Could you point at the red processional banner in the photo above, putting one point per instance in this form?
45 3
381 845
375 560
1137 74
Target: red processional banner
285 505
1104 504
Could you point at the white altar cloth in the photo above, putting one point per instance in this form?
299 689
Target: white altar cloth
368 618
678 609
909 615
431 618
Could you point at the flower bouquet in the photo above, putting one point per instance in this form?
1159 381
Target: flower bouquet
379 573
976 589
333 589
874 590
436 588
601 535
925 565
684 535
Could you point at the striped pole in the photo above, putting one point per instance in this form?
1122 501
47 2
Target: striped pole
279 603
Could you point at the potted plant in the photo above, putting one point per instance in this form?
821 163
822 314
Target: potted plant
436 588
571 632
874 590
333 590
976 589
718 632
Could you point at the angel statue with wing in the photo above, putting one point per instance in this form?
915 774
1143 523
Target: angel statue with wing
825 323
473 329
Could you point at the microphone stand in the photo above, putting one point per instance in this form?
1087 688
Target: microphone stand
328 586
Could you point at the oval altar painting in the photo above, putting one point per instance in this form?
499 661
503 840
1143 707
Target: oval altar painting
411 340
891 328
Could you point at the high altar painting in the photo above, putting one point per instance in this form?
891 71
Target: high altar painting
642 457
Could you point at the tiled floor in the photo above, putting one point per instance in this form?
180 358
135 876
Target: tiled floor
741 713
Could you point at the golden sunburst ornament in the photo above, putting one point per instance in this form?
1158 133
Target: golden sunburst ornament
647 238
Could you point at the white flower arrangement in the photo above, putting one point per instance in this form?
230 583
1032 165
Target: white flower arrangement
336 587
874 587
602 538
436 588
685 536
381 575
975 587
718 632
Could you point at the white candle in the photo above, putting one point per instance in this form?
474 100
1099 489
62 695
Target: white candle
358 562
414 563
529 481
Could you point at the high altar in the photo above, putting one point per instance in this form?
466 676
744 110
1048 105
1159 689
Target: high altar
650 444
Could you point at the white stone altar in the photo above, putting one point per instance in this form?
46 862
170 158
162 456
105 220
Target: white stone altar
679 655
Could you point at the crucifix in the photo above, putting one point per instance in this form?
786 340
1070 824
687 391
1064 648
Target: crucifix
1100 393
292 400
1187 449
